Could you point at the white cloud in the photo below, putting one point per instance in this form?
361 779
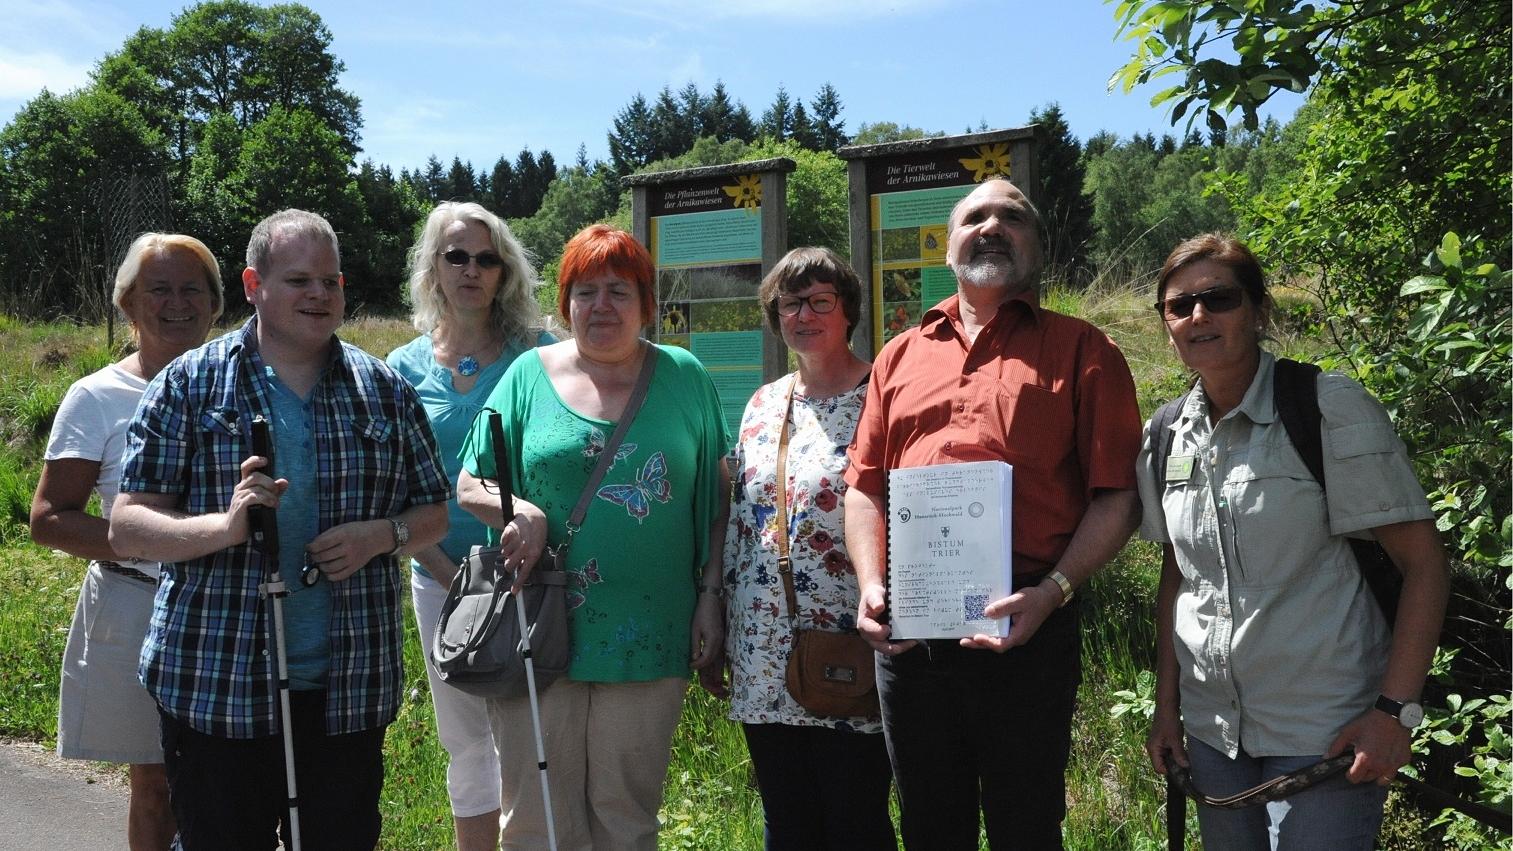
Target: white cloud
24 75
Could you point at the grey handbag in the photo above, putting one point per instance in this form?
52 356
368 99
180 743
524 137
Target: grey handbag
477 646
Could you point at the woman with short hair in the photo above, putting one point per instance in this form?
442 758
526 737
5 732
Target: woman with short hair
643 568
472 290
824 780
169 290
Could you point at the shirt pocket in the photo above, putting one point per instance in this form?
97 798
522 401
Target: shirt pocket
1038 425
216 467
373 465
1279 522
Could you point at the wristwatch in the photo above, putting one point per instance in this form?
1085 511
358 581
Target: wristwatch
401 535
1408 714
1067 592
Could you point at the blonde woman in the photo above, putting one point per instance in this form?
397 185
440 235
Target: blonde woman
169 290
472 288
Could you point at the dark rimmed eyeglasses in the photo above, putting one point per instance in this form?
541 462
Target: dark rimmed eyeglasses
485 259
1215 300
790 305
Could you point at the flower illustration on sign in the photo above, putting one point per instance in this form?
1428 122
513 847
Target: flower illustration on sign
990 160
747 191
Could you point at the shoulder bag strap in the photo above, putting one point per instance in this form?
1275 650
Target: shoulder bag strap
785 565
607 455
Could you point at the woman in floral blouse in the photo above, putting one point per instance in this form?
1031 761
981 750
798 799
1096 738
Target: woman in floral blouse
824 781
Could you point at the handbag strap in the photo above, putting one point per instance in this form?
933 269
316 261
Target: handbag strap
785 564
607 455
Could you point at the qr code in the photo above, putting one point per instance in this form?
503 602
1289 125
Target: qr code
972 606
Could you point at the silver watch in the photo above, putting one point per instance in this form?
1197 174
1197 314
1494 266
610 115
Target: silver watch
1408 714
401 535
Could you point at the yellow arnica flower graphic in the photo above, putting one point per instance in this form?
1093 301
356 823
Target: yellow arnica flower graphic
747 191
990 160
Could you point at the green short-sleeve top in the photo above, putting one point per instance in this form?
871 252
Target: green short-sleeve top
634 565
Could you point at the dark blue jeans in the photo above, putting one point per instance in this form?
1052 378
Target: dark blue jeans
822 788
969 728
231 794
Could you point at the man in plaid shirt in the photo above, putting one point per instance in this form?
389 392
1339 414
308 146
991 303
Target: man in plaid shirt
360 485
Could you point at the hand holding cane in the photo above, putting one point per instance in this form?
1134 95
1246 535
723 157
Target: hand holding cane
264 523
507 505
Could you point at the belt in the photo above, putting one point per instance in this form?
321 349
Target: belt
128 572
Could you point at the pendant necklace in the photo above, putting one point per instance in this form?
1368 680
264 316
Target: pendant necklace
467 365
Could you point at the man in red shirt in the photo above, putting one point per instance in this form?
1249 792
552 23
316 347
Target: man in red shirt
989 374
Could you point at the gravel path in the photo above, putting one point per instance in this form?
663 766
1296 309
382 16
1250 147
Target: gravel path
59 804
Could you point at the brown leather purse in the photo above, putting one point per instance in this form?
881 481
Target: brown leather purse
830 672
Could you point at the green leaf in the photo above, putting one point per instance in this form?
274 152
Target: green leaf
1449 251
1422 284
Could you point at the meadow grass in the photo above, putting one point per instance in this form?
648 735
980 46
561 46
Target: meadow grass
1114 799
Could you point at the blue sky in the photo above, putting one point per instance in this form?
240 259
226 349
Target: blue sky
481 79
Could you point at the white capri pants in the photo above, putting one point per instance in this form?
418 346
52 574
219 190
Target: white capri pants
462 719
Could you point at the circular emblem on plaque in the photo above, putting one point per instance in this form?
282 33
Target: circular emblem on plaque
975 509
904 514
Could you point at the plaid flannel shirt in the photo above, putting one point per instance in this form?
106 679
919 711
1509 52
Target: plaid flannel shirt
205 658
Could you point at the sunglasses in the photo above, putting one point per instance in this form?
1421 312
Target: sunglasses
790 305
485 259
1215 300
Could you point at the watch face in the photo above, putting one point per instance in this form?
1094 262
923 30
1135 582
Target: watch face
1412 715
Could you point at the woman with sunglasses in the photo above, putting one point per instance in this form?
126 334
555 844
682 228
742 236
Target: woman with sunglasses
824 780
169 289
472 290
1272 653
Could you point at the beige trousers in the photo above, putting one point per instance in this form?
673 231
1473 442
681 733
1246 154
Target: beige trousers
607 748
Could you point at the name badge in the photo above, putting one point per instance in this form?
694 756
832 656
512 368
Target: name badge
1179 468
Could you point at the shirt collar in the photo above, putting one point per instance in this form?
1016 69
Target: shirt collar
1257 403
948 311
246 343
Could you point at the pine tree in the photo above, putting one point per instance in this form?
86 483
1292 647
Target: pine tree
502 187
777 121
433 181
1066 212
461 184
672 131
802 130
631 143
829 129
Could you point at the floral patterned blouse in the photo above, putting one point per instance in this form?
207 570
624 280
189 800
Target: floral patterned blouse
759 632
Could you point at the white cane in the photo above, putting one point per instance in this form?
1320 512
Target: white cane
265 537
530 684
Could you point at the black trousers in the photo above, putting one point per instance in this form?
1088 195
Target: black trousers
232 795
822 789
969 728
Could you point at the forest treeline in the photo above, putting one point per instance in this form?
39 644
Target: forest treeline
1386 196
234 110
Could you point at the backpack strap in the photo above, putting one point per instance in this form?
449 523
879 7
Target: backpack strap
1160 433
1295 393
1296 396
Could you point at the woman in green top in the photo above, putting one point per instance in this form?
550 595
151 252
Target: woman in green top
644 577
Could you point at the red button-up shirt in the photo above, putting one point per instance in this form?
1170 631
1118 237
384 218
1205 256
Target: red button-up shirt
1050 394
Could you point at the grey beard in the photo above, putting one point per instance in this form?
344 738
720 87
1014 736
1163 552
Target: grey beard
985 272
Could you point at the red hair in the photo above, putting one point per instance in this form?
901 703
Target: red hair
598 250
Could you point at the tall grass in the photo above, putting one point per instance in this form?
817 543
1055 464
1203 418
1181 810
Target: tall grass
1114 801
